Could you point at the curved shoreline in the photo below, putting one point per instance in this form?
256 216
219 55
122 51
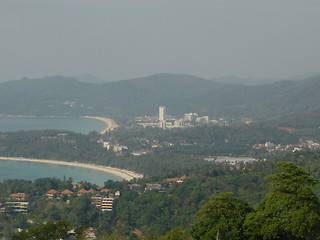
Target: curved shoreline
111 124
124 174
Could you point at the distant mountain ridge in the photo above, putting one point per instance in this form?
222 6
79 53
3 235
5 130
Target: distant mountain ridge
59 95
88 78
262 81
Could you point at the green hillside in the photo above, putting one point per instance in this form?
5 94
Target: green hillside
180 93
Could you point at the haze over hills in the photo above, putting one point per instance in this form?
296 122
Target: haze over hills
60 95
89 78
260 81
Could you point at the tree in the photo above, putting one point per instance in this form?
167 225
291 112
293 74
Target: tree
290 210
221 218
178 233
51 231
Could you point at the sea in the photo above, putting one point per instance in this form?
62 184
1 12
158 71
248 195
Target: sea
74 124
32 170
10 169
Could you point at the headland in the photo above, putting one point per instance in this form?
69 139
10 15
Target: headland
110 123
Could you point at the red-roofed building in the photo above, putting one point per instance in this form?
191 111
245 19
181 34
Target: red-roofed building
82 191
91 191
66 192
90 234
51 193
105 190
17 196
176 179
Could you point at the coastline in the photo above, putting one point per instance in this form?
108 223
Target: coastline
111 124
124 174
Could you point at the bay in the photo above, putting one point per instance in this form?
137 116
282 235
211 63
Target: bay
33 170
74 124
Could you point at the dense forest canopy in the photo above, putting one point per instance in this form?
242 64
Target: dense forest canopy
191 208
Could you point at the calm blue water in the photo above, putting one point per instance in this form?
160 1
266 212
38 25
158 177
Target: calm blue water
74 124
32 171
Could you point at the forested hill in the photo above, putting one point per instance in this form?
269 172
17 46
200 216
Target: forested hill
179 93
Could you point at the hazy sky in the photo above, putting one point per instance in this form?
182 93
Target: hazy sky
123 39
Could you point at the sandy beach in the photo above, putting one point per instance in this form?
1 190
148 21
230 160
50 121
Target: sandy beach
124 174
111 124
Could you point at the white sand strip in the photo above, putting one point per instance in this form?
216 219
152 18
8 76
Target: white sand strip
124 174
111 124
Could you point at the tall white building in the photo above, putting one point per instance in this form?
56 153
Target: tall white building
162 113
162 117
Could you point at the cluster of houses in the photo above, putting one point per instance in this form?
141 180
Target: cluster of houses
17 203
112 146
101 198
271 147
116 147
60 136
236 161
159 187
162 120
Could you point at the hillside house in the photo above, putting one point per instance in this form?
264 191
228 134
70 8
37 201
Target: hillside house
17 196
52 193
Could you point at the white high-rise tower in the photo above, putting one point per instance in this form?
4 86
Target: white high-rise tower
162 117
162 113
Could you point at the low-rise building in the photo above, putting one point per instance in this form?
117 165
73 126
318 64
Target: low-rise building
52 193
82 192
66 192
90 235
17 196
154 186
134 187
16 207
107 204
175 179
96 200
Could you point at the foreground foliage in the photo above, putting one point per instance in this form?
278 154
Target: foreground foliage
290 210
222 218
51 231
